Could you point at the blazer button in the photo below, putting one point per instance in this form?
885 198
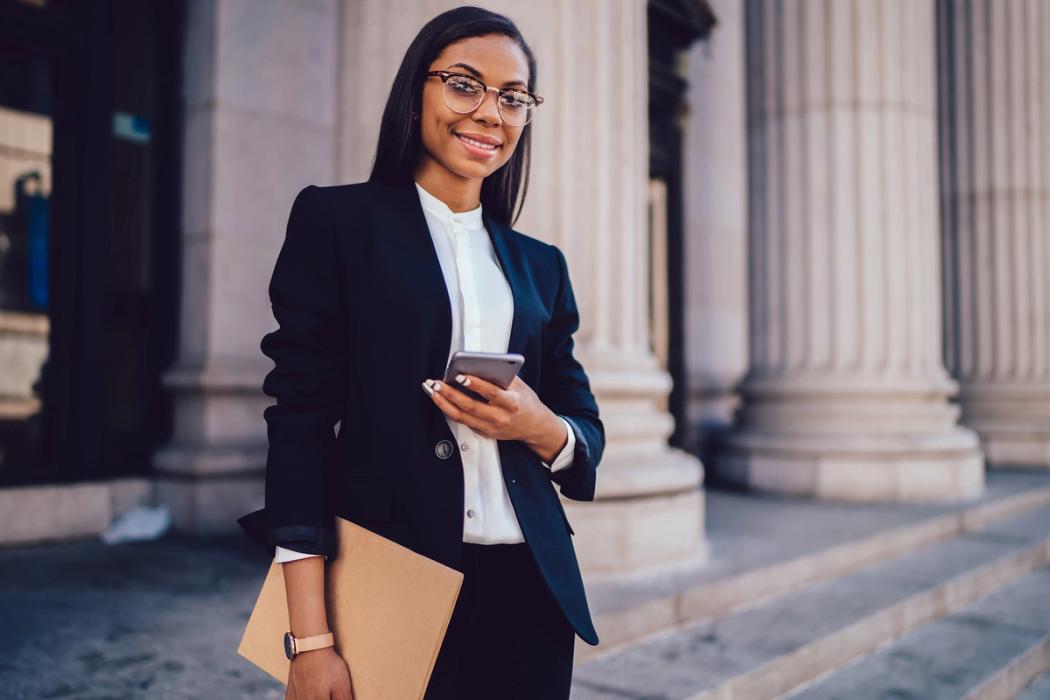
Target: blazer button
443 449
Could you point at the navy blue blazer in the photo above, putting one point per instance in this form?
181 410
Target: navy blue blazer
364 317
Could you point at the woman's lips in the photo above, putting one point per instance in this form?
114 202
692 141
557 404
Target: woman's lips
477 151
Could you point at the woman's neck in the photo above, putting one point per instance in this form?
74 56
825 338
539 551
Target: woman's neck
459 193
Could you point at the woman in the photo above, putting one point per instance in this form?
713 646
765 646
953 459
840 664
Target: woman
375 286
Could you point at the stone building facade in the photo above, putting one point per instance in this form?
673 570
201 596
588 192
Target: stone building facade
858 275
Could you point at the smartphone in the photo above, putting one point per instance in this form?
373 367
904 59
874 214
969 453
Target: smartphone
500 368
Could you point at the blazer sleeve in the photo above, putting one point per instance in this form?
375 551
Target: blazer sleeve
565 389
309 351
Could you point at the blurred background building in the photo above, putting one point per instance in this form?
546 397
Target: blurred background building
809 241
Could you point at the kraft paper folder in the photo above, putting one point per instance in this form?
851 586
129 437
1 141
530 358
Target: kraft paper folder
388 607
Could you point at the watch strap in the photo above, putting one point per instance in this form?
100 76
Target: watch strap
318 641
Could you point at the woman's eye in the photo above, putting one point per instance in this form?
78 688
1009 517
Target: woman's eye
517 101
464 87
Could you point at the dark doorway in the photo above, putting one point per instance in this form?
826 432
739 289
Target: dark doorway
88 235
673 26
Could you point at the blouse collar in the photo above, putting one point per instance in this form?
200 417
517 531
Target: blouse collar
471 219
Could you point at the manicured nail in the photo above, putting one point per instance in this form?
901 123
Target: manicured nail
427 389
462 380
435 385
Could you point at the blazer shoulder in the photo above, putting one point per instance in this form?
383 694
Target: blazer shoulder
541 251
351 191
344 200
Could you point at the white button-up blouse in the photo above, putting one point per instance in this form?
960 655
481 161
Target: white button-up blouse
482 313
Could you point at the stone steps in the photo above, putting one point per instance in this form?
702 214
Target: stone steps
1038 689
772 647
766 546
988 650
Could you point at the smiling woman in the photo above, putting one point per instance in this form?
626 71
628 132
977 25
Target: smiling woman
375 288
444 113
462 123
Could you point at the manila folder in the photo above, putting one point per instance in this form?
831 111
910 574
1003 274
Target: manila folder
387 606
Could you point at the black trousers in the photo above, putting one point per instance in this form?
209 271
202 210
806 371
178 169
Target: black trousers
508 638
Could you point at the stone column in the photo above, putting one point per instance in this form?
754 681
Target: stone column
591 188
995 165
587 194
715 173
847 395
259 100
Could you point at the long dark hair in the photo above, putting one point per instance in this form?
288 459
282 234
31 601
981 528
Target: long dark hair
400 143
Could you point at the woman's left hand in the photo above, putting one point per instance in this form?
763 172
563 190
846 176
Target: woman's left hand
514 413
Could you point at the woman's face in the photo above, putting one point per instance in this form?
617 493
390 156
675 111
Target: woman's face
498 62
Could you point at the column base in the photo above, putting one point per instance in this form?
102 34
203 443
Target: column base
209 506
1016 449
648 514
207 488
937 467
55 512
1013 422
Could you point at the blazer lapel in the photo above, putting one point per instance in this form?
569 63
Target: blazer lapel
512 269
515 271
407 218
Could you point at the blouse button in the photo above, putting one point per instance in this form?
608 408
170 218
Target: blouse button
470 512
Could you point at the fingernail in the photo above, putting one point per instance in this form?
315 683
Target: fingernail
436 386
462 380
427 389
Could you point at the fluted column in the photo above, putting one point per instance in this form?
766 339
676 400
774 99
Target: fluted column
588 194
847 395
716 229
258 124
995 160
591 187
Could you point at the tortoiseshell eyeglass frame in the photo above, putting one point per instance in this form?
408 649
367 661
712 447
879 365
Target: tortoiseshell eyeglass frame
446 74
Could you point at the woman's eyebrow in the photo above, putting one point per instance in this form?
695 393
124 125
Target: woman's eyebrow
479 76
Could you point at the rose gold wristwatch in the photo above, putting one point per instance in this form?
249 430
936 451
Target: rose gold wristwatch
297 645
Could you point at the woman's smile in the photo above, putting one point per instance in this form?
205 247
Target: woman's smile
477 147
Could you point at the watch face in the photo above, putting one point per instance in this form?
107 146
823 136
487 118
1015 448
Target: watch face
289 646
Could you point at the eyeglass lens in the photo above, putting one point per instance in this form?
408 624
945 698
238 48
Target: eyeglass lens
463 95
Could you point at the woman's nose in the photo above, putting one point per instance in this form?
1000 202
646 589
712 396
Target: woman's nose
488 110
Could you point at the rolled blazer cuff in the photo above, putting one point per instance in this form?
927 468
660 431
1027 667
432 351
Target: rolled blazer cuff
582 450
578 480
308 539
564 458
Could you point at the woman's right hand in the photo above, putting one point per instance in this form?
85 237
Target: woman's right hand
320 674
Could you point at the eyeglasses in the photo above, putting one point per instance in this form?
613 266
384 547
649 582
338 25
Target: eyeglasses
463 94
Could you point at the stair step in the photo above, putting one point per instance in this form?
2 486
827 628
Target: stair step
764 545
1038 689
772 647
989 650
